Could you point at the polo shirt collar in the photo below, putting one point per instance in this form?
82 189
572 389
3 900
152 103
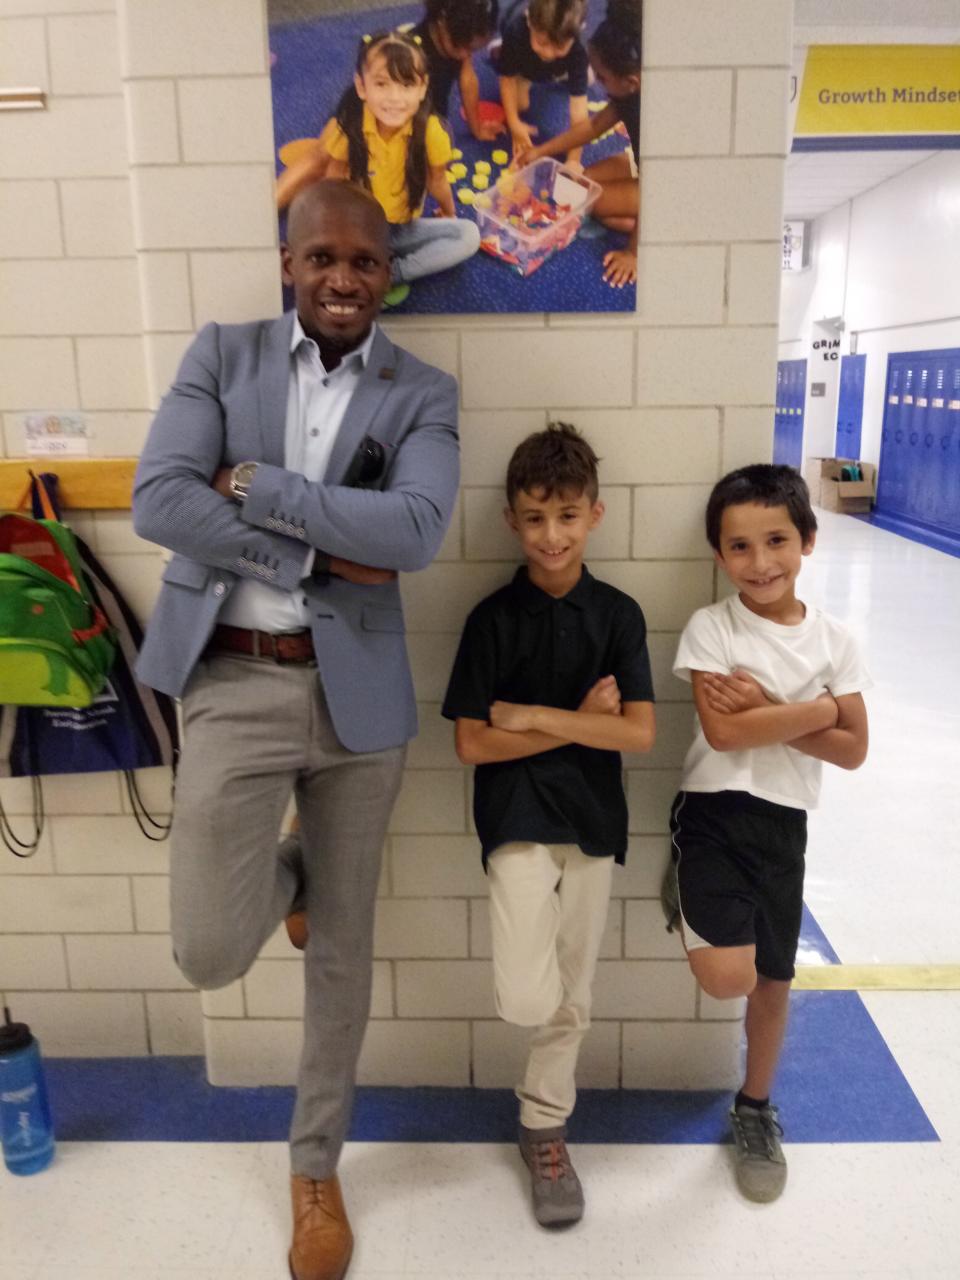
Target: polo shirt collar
534 600
370 129
359 356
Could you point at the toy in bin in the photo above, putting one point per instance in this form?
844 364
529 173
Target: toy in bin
534 212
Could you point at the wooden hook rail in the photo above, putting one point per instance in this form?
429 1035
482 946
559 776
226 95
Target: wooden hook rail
90 484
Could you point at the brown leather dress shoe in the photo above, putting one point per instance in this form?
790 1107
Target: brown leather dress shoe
296 923
322 1239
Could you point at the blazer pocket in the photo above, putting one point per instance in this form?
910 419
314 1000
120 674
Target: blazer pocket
380 618
186 573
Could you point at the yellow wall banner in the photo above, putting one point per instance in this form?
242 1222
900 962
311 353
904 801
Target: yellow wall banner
869 93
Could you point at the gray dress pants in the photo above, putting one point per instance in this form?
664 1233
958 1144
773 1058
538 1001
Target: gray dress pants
254 732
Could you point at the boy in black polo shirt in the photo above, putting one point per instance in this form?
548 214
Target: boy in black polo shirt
541 43
551 682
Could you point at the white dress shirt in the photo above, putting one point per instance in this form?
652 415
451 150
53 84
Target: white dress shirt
316 404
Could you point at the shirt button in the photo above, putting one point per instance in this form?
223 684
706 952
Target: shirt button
219 589
314 431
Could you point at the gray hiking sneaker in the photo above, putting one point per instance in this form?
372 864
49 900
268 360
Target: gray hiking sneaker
670 896
761 1164
557 1193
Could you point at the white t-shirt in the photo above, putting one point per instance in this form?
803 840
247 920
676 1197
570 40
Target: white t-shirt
794 664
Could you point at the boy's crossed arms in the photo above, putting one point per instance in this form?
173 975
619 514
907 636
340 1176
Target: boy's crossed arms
516 730
737 713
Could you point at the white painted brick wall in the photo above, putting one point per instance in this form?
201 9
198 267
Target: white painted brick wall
138 207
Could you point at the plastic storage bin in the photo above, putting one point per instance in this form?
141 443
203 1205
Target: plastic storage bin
530 214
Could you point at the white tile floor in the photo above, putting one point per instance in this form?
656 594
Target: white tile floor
884 881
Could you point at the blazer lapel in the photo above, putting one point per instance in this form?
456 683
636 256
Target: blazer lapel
365 403
273 382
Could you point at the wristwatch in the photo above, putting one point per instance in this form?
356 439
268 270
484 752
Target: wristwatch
241 478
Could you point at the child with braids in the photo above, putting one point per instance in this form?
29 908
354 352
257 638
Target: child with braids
615 54
386 139
451 32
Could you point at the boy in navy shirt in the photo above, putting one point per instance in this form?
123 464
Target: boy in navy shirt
541 43
551 682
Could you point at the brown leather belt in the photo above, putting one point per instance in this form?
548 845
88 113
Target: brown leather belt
285 646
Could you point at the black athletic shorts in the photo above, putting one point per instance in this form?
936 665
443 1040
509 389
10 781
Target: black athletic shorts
740 870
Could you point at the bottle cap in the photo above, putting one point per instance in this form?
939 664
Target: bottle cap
13 1035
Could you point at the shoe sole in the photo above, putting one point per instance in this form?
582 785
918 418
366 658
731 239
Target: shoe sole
558 1223
339 1276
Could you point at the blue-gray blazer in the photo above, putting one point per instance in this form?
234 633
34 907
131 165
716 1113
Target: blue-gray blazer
228 405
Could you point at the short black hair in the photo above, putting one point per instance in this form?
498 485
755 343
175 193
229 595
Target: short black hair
465 20
617 39
558 460
767 485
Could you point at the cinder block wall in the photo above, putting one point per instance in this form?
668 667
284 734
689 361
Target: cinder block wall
137 208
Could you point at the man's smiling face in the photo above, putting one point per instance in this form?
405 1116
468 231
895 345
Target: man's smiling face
337 260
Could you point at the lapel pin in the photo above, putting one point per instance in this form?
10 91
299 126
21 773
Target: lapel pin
386 373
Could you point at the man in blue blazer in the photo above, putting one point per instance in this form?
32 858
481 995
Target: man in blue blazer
294 468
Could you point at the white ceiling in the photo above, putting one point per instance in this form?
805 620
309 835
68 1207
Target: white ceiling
817 181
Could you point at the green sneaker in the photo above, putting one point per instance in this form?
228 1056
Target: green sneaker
557 1193
670 896
761 1164
396 295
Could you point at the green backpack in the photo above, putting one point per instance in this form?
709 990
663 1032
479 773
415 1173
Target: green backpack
56 646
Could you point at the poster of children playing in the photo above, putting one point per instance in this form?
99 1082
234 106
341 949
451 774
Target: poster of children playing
501 138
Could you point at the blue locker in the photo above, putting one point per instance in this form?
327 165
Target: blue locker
850 406
788 417
918 486
948 427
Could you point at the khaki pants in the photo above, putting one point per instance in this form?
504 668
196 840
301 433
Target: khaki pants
548 910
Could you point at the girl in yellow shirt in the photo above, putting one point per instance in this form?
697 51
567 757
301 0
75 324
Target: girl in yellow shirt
385 138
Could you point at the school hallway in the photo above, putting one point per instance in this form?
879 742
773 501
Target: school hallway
882 1204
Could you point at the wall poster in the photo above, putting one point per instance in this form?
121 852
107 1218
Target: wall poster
455 112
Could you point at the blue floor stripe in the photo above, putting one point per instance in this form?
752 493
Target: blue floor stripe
839 1083
813 945
914 532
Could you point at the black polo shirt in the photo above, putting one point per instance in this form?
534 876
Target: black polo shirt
517 58
444 72
523 645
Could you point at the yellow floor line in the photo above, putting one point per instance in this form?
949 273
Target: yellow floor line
878 977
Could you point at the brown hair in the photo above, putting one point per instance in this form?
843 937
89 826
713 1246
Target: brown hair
558 460
559 20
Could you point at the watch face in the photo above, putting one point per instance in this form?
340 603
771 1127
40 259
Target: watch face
242 476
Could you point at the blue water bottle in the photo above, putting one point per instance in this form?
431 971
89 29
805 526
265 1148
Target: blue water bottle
25 1126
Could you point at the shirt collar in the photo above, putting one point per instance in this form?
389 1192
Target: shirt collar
371 131
359 355
534 600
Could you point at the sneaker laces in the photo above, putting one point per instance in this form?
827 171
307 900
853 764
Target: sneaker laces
551 1159
758 1129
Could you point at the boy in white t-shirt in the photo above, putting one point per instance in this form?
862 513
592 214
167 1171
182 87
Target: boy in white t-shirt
777 686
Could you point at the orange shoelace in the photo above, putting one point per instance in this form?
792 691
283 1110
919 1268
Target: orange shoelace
551 1159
